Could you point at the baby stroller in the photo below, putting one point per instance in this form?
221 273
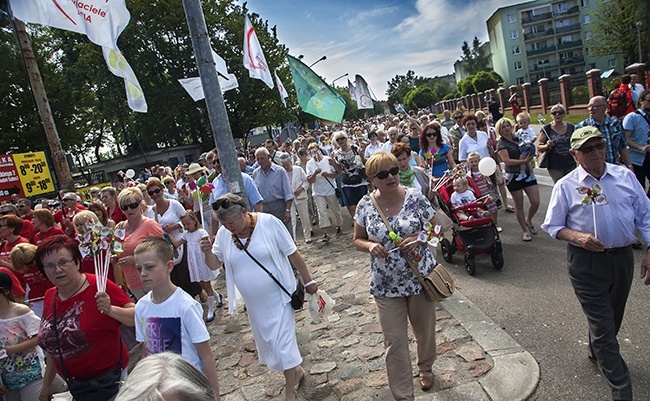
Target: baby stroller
472 237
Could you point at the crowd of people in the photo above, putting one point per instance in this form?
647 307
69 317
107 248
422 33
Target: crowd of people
181 227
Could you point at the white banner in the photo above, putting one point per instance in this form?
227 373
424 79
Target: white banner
118 65
194 88
101 20
353 91
364 101
281 89
254 59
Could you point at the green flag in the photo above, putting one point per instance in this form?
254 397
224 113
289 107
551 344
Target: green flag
315 96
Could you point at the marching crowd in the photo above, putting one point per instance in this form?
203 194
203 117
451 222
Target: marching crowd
181 226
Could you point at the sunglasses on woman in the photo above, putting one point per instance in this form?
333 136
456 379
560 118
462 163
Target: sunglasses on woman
382 175
154 192
432 134
133 206
224 203
557 112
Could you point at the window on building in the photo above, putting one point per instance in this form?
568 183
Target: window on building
520 80
611 63
587 19
516 50
587 35
512 18
514 34
518 65
584 3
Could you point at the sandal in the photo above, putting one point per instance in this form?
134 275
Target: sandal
527 237
510 209
532 229
301 378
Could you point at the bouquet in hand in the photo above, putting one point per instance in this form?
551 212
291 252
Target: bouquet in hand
101 242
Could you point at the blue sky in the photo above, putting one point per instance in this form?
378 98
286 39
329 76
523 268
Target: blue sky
378 39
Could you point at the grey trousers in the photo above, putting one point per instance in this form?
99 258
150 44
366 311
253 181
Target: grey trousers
277 208
602 284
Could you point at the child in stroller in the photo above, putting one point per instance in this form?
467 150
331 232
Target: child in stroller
462 196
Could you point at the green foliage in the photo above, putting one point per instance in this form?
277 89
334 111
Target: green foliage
474 58
484 80
401 85
451 95
88 102
419 98
614 30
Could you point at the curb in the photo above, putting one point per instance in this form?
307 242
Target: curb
515 374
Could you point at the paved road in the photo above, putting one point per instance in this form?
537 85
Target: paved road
532 299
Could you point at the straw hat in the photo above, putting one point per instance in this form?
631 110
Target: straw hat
194 168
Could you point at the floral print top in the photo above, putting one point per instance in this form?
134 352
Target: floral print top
392 277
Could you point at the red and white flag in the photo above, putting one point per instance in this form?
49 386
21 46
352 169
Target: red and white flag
254 59
281 89
102 21
364 101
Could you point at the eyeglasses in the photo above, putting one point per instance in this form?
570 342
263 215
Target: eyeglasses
133 206
382 175
3 225
341 139
21 206
431 134
458 117
60 264
224 203
557 112
589 149
154 192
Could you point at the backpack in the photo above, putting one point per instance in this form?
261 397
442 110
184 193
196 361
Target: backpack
617 104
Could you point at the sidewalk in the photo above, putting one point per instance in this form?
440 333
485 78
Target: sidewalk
344 354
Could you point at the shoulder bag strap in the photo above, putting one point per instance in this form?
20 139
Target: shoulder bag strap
409 261
645 116
264 268
329 182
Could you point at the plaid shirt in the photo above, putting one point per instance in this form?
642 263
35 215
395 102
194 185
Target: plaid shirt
614 138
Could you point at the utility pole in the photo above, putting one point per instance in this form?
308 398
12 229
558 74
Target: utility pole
59 161
214 98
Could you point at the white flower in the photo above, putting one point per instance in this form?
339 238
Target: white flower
85 250
120 233
105 231
118 247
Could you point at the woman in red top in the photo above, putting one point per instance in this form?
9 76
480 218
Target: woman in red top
10 226
44 224
22 260
86 322
108 195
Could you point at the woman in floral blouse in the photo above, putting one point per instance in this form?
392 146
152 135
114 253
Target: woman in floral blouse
398 293
434 153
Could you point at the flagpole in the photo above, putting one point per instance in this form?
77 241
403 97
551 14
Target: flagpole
214 102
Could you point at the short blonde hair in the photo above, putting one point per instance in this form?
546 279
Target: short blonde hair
499 125
523 116
558 106
158 245
22 255
154 182
82 217
377 160
129 195
474 154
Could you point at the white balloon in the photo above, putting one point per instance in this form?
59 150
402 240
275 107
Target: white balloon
487 166
130 173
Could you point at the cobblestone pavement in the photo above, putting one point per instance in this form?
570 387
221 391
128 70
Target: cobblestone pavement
344 354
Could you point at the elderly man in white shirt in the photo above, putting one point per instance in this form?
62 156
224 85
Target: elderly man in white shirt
596 209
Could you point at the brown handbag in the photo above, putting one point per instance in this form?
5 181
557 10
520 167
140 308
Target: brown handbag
542 157
438 284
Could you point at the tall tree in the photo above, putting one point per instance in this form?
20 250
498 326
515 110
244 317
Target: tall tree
615 31
474 58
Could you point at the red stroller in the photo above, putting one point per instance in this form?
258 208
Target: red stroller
472 237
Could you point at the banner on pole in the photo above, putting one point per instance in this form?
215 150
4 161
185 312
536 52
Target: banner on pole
364 101
254 59
281 89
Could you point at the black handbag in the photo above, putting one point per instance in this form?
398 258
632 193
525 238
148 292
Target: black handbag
297 297
100 388
337 191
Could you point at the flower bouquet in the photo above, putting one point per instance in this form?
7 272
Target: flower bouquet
101 242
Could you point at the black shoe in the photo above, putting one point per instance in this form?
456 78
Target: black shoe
219 300
637 245
209 318
339 231
326 238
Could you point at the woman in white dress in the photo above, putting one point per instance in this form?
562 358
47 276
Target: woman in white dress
299 185
269 308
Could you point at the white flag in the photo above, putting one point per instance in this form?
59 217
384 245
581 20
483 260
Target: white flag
101 20
194 87
364 101
353 91
281 89
254 59
118 65
220 64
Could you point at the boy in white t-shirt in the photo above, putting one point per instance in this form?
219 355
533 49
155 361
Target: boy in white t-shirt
526 137
461 196
167 318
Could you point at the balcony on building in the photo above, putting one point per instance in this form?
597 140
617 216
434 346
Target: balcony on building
571 60
535 15
569 45
542 50
532 33
567 28
560 10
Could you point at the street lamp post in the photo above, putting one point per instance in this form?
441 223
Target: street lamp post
638 34
318 61
336 79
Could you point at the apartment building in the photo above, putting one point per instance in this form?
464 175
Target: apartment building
544 39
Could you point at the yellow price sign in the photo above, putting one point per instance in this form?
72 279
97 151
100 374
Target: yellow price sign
34 173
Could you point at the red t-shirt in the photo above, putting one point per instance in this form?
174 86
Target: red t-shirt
118 215
30 217
42 235
38 283
90 341
5 249
17 289
28 231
